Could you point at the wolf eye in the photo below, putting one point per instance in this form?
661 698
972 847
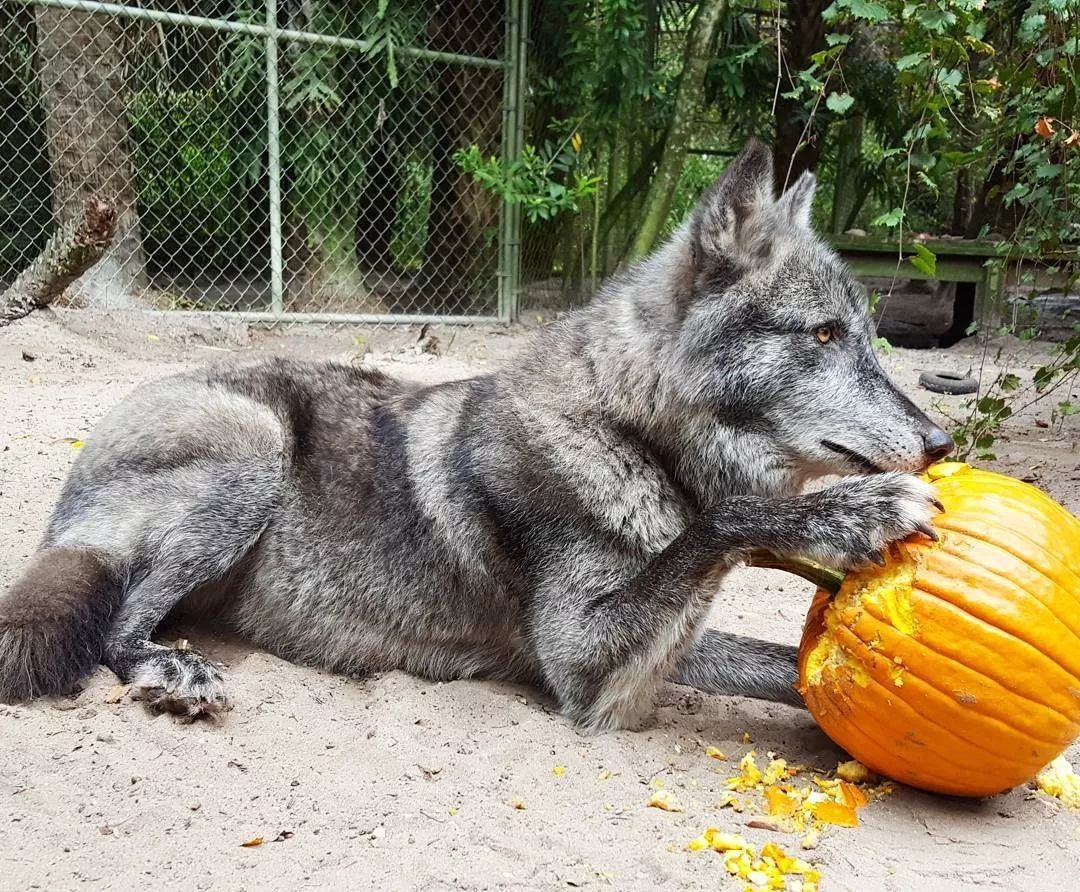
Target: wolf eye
823 333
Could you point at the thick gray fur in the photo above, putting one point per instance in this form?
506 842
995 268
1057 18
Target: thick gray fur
564 521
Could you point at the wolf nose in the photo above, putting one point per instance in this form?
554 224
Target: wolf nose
937 444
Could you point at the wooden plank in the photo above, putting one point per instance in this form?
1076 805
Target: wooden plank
947 247
949 269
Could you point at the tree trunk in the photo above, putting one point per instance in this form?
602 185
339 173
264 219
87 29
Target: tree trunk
690 98
848 152
548 27
798 148
376 216
988 204
961 202
24 170
73 249
82 85
458 256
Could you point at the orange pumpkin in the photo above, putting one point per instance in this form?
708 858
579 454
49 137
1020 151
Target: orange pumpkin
956 666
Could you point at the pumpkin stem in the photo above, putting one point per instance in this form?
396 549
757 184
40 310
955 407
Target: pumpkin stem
822 577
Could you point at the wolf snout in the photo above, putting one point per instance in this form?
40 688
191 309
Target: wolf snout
936 444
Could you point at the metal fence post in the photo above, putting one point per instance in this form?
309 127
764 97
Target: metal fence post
273 158
513 138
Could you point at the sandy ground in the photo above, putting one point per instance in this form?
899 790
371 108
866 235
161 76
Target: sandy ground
399 783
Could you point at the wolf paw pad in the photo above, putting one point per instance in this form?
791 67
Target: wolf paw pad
182 683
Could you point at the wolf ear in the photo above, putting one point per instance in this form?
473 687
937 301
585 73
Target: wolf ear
794 205
726 227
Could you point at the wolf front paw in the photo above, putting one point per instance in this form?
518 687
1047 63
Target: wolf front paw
180 682
853 522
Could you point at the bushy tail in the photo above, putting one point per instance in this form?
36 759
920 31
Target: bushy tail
53 622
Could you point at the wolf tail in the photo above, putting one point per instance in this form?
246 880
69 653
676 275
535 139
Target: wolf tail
54 621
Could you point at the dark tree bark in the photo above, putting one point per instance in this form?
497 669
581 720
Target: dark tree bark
467 110
24 169
376 216
961 202
846 200
690 98
548 26
83 96
797 148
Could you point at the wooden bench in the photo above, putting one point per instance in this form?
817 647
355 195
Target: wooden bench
980 264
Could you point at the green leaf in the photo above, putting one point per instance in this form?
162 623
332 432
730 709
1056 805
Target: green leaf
889 218
1017 192
839 103
1009 383
949 77
910 61
865 9
833 39
882 344
935 19
925 261
1032 25
1044 376
1045 171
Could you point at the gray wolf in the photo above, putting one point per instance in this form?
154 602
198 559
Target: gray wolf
562 522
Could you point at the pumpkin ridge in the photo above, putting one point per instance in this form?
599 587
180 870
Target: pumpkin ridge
898 693
944 656
1009 486
1062 617
872 762
884 760
1011 729
992 628
862 677
945 522
999 501
927 589
889 752
926 584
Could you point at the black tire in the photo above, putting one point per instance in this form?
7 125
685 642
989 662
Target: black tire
950 383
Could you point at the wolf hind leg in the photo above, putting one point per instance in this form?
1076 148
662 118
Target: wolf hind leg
213 517
723 663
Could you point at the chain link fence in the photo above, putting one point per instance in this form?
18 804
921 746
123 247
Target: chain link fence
287 160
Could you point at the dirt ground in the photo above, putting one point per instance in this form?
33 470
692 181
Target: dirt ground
399 783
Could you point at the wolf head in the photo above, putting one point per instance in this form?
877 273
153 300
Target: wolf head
774 336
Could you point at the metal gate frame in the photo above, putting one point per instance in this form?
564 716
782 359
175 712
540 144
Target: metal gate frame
513 66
